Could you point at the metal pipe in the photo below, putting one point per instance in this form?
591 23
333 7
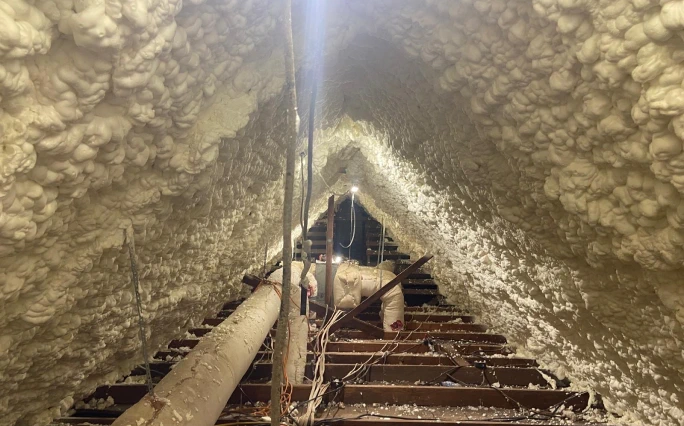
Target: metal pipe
196 391
329 252
298 327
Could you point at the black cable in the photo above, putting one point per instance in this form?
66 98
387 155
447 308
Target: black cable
448 374
508 398
299 404
245 395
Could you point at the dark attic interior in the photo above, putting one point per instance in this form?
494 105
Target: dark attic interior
342 212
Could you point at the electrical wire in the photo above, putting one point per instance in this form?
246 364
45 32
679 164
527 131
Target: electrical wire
363 368
318 388
128 240
352 215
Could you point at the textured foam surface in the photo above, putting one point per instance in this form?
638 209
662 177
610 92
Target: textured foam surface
534 146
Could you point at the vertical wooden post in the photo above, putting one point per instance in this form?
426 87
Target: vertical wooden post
290 142
329 252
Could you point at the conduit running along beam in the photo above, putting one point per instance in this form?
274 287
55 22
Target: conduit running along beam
195 392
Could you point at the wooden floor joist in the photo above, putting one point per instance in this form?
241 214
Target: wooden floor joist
417 422
431 396
419 335
409 326
421 317
505 376
405 359
422 359
412 347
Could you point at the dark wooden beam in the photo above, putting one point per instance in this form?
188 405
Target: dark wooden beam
255 392
412 347
379 345
442 326
505 376
200 331
232 305
374 315
429 326
213 321
183 343
378 294
86 421
430 396
252 281
405 359
379 421
422 359
419 335
430 309
464 337
367 328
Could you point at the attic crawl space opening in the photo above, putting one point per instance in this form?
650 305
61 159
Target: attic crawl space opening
357 236
533 147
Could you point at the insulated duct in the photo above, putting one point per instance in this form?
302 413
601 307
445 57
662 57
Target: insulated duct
352 282
195 392
298 330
